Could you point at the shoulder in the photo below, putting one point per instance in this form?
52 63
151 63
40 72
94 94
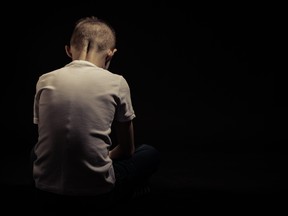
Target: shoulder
120 78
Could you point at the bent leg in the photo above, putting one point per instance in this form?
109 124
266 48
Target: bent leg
137 170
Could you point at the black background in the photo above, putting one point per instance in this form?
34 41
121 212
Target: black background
198 76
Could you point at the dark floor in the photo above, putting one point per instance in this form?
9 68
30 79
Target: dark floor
186 182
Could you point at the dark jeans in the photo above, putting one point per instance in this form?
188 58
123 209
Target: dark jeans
136 171
131 174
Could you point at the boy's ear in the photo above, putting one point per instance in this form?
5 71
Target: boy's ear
109 57
68 51
111 52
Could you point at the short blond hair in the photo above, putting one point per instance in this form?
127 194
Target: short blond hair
93 32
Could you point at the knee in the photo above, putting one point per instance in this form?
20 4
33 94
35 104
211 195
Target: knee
152 152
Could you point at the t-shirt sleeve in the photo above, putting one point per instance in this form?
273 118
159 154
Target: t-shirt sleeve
125 111
36 104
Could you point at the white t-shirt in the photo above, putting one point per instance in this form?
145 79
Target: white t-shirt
74 108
